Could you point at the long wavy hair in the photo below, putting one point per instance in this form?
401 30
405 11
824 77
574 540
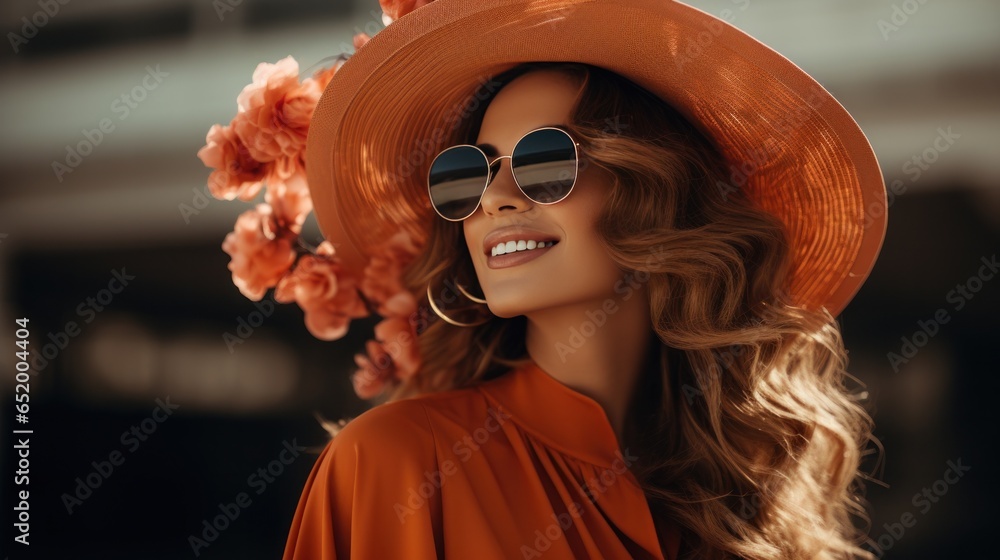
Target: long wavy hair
749 429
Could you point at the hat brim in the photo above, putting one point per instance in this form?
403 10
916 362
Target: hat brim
792 147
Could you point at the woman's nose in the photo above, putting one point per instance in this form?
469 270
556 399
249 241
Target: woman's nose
502 193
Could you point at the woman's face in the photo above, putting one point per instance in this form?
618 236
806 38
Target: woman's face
576 269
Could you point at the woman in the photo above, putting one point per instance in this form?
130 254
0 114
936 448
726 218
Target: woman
632 352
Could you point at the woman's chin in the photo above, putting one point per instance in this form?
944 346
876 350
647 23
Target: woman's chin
507 310
513 303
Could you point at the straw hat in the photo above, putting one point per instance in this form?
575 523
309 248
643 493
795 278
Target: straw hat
794 150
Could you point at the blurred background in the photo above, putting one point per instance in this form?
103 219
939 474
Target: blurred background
145 419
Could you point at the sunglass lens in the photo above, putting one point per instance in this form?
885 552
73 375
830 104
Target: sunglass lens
544 163
457 180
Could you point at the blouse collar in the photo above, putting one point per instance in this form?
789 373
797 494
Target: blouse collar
564 418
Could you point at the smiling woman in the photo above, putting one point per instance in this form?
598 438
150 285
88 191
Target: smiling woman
619 349
675 288
566 227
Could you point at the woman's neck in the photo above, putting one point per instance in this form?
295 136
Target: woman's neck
598 349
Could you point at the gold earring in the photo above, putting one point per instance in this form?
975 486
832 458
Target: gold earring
447 319
461 288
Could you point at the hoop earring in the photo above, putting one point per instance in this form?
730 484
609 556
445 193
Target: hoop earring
461 288
447 319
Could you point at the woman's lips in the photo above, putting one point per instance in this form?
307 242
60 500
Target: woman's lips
520 257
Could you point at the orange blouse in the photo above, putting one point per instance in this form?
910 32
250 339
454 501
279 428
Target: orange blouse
520 466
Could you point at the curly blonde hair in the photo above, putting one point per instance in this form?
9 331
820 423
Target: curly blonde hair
749 436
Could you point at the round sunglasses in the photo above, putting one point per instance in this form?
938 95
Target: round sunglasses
544 162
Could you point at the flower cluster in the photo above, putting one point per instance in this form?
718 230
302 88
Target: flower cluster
263 148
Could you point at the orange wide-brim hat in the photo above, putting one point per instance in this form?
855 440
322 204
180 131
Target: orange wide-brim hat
792 148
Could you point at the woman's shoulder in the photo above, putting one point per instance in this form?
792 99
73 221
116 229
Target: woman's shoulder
409 422
368 477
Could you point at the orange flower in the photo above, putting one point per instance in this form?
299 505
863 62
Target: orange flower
394 355
398 338
261 251
396 9
360 39
290 200
383 274
374 371
327 295
265 144
237 174
274 113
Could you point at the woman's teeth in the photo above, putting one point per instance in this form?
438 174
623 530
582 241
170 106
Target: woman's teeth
520 245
